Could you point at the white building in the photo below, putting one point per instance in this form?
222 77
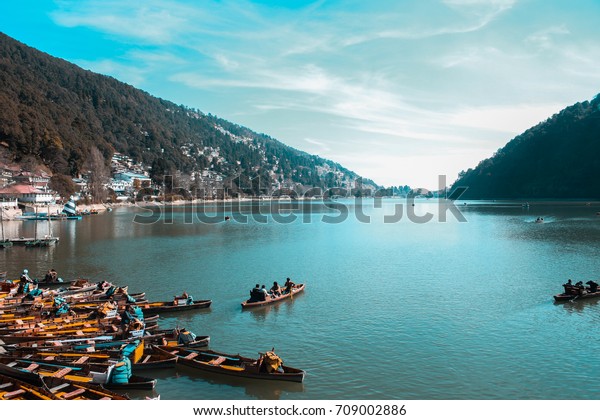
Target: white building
26 194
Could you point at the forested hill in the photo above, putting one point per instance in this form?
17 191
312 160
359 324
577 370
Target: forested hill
558 158
56 112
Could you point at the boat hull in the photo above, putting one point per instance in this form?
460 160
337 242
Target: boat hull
564 297
241 367
249 304
152 308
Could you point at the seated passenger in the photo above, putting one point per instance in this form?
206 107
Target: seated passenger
275 289
264 291
256 294
289 285
569 288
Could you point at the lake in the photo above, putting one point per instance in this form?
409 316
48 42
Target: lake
393 309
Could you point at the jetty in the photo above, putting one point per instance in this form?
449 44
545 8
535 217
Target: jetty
25 241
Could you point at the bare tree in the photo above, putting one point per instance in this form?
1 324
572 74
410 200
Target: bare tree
98 175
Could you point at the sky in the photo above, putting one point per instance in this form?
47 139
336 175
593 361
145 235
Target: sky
399 91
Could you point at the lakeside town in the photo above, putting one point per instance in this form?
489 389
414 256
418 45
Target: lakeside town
30 190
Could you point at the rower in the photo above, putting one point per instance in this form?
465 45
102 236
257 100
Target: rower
569 288
288 285
593 286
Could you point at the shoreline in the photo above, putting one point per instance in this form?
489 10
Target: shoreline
12 214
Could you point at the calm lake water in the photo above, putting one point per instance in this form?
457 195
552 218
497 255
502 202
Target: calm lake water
404 310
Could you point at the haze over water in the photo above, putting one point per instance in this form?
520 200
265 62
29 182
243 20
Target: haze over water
454 310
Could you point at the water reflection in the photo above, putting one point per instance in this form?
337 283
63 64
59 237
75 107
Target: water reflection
579 305
259 313
260 389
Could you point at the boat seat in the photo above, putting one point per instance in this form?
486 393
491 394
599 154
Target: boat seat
6 385
32 367
59 387
72 394
146 358
62 372
82 359
191 355
217 361
13 394
49 358
12 364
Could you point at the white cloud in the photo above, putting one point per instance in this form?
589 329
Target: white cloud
545 39
512 120
153 22
411 78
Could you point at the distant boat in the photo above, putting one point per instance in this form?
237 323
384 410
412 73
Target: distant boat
255 301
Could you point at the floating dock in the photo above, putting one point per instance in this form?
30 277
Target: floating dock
24 241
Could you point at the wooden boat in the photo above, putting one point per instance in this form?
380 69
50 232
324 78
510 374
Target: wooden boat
64 389
104 342
172 306
566 297
578 291
54 388
80 343
79 374
56 324
181 338
15 389
154 360
233 365
253 303
14 320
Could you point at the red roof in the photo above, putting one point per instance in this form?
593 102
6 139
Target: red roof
20 189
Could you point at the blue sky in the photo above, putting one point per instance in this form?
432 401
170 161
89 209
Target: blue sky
398 91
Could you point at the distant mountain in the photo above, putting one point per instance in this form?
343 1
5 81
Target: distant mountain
558 158
56 112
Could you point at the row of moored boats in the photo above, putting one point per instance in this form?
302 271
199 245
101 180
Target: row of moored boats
85 340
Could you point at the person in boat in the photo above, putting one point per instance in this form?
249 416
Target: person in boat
126 316
256 294
264 291
25 276
580 288
593 286
25 282
275 289
51 276
288 285
569 288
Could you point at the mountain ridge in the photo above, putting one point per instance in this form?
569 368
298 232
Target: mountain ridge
57 112
556 159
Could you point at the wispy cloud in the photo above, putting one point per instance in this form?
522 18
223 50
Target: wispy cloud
545 39
151 22
407 77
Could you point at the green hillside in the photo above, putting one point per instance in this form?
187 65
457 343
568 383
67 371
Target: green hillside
56 112
558 158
